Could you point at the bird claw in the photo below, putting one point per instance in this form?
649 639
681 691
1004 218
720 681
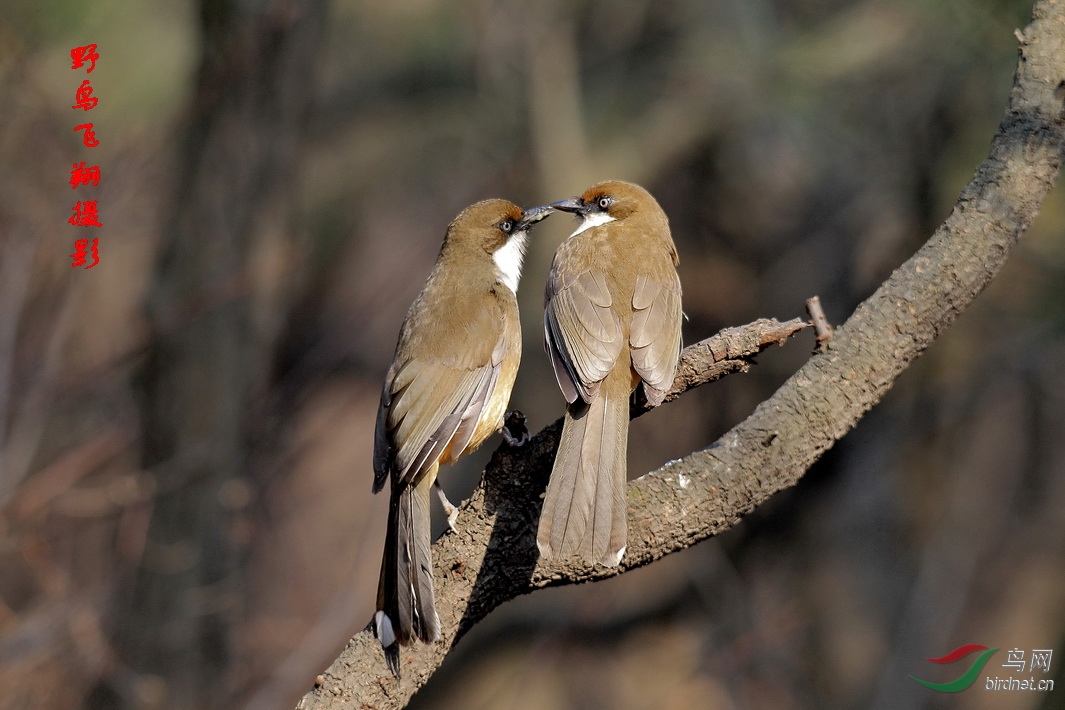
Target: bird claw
452 516
451 510
515 433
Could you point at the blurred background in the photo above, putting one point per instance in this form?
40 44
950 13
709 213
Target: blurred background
186 429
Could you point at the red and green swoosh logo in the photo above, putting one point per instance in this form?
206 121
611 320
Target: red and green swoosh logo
967 678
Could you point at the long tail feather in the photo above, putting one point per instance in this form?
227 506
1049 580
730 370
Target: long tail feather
584 510
405 600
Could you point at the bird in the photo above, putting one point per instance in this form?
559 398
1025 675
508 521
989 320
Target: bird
612 321
445 392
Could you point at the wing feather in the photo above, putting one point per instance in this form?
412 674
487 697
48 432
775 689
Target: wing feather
435 397
582 333
655 336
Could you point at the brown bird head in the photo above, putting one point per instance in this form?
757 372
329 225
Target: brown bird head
609 201
500 229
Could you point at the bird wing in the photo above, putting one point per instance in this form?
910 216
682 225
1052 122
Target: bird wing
655 334
435 397
581 332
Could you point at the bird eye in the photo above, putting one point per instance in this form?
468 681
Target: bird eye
604 202
506 225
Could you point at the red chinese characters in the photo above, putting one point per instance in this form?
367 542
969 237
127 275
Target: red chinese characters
82 175
86 213
90 135
80 246
80 55
84 98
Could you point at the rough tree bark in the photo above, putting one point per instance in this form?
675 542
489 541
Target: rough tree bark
209 354
493 557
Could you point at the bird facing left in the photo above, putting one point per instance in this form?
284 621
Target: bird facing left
446 391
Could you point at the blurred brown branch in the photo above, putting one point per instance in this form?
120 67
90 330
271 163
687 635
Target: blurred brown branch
207 363
60 476
493 558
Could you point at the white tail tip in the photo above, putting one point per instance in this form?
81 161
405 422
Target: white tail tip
383 624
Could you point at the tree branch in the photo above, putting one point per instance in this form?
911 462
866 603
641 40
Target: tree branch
493 557
729 351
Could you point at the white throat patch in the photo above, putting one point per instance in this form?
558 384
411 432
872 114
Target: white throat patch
593 220
508 260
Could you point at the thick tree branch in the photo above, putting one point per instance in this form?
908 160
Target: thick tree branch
493 557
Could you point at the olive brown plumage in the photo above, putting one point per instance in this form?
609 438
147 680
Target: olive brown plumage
612 320
446 392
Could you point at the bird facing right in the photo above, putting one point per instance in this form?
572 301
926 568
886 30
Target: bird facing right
612 319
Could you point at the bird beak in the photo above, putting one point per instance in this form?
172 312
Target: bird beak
533 215
573 205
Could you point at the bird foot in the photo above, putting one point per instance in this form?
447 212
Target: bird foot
515 433
451 510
